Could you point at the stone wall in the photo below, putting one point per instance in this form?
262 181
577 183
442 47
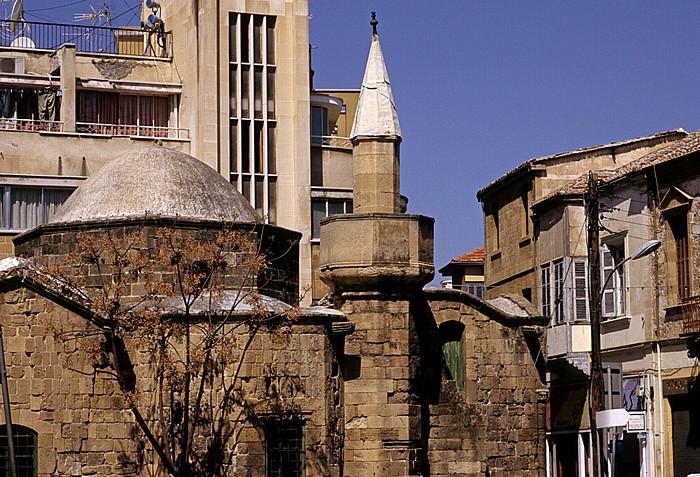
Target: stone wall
493 426
52 245
85 427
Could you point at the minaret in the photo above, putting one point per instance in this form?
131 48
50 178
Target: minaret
376 260
376 136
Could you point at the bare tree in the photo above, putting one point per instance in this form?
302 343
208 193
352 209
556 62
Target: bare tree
185 301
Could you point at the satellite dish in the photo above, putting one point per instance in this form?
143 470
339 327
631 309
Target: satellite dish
22 42
152 4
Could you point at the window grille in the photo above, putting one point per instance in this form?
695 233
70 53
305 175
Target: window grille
285 456
25 444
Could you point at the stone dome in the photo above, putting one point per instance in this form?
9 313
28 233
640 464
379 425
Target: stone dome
156 182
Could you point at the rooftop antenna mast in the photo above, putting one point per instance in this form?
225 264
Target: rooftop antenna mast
98 18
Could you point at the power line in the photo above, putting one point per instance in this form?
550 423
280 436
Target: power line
55 8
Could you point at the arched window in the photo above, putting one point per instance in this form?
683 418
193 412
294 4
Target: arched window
452 359
25 451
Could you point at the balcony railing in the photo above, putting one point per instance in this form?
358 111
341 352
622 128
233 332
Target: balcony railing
87 39
331 141
10 124
691 315
128 130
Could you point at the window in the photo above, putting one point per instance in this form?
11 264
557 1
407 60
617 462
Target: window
580 290
122 114
321 208
559 316
496 224
546 290
526 211
25 446
451 343
564 290
252 110
679 229
475 288
26 207
284 449
613 295
319 125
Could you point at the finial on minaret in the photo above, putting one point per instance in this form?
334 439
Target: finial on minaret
374 23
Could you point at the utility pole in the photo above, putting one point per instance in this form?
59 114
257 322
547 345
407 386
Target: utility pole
596 390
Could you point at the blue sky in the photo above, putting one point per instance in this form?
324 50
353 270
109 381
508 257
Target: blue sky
482 86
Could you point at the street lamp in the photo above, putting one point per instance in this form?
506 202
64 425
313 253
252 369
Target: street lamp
596 360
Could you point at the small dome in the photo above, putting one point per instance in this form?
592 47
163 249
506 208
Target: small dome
156 182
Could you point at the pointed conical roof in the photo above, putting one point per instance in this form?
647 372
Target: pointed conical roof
376 113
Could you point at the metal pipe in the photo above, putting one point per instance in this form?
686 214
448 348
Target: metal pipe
6 408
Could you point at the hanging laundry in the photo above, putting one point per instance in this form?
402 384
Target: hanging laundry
47 104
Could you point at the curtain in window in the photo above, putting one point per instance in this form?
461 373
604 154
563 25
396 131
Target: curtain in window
87 107
53 198
26 208
128 114
161 115
108 107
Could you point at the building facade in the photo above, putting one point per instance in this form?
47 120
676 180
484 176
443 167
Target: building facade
228 82
648 355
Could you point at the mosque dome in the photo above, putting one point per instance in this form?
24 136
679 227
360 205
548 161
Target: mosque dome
156 182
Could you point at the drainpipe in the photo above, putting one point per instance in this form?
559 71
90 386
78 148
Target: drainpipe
6 407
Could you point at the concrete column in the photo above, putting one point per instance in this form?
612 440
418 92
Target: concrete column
66 58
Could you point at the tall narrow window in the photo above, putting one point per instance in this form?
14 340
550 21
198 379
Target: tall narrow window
559 292
526 212
284 449
252 99
613 278
545 285
679 229
451 342
580 290
496 224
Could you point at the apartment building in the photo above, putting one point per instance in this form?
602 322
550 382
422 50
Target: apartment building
227 81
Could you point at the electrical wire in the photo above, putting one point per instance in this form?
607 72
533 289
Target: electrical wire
54 8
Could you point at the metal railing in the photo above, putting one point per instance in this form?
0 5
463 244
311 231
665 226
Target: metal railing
36 125
132 130
691 314
87 39
331 141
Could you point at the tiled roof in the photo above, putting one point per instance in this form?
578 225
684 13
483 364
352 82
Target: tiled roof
576 187
601 147
680 148
475 256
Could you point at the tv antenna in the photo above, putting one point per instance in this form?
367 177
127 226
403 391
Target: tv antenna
98 39
97 18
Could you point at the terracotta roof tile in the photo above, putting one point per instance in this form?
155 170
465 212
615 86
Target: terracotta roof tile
584 150
474 256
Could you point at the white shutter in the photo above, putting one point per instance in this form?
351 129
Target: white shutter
608 296
580 290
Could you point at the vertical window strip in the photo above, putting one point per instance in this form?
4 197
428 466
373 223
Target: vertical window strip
559 291
252 104
546 291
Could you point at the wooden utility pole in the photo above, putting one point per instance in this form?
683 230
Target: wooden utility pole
596 390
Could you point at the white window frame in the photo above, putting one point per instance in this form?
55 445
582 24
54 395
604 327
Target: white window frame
613 297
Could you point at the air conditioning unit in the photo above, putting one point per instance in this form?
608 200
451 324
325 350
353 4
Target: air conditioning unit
13 65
